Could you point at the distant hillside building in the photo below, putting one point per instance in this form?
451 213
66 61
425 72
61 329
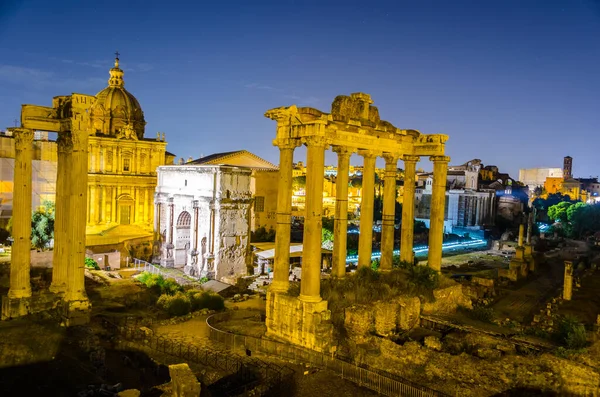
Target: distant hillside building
536 177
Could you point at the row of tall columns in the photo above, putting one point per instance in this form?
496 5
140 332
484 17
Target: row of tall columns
311 258
69 253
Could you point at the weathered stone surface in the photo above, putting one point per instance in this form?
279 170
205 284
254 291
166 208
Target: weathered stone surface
183 381
385 318
433 343
409 312
129 393
307 324
358 321
486 282
447 300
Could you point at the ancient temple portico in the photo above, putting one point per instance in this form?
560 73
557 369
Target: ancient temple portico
353 126
69 117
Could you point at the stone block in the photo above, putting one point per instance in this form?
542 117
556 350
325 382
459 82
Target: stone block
37 303
511 274
385 318
486 282
433 343
447 300
358 321
183 381
76 312
306 324
409 312
129 393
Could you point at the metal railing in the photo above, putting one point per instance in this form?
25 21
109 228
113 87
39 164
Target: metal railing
252 373
147 267
379 381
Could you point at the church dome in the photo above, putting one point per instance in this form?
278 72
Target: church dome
116 109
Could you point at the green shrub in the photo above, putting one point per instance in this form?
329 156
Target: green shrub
158 284
91 264
203 280
571 333
206 300
479 313
423 276
375 264
175 305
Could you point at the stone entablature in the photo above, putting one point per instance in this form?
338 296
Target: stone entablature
202 219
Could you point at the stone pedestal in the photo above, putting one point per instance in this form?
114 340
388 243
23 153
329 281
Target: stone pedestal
75 312
518 263
568 286
529 257
15 307
167 258
307 324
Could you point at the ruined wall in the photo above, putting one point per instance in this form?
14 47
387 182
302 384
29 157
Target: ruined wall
264 188
447 300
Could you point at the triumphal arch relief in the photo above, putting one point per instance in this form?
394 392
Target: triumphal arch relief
353 126
69 117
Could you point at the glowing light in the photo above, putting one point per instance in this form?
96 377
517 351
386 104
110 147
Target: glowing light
422 249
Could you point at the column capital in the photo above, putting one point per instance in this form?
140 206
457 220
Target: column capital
343 150
368 153
23 137
391 157
317 141
409 158
439 159
286 143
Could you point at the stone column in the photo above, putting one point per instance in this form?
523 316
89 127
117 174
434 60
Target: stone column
20 286
568 287
156 217
167 258
75 296
389 211
281 265
340 224
529 227
521 235
438 203
310 285
408 209
365 241
60 255
194 251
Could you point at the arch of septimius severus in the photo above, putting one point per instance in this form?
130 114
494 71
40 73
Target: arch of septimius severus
353 126
69 117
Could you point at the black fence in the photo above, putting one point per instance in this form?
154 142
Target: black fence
244 374
379 381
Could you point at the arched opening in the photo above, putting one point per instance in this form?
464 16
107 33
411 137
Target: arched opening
125 205
182 238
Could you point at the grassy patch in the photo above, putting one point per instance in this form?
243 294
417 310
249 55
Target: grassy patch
479 313
570 333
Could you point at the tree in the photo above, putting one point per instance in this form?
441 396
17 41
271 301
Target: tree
299 182
558 212
326 239
42 225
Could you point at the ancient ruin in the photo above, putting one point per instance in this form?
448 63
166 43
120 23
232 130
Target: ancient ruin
353 126
70 117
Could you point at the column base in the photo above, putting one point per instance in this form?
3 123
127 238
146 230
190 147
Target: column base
37 303
167 262
306 324
75 312
15 307
58 288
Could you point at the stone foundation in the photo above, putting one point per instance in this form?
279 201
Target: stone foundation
37 303
447 300
75 312
307 324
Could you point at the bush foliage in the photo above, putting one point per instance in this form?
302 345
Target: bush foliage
182 303
571 333
159 284
91 264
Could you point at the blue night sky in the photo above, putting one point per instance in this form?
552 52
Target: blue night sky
514 83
